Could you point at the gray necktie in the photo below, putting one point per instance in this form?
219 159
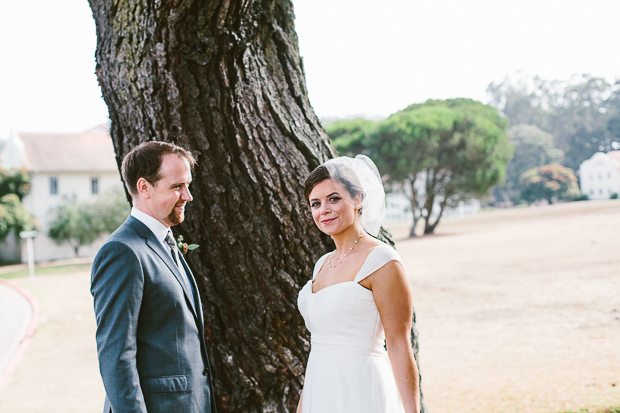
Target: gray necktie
173 247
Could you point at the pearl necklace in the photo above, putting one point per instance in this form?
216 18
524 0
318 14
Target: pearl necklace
340 261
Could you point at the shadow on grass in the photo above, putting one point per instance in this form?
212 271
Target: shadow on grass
47 271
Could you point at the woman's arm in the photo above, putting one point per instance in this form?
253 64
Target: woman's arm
392 292
301 398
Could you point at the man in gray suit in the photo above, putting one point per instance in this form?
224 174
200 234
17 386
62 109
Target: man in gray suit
152 353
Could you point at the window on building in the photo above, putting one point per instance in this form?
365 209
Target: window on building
600 191
591 191
94 186
54 185
608 175
600 176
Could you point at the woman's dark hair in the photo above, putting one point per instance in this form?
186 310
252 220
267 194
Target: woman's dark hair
144 161
343 175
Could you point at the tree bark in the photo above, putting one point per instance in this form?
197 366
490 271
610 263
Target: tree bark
224 79
415 206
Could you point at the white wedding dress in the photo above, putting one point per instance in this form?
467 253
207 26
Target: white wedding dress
348 370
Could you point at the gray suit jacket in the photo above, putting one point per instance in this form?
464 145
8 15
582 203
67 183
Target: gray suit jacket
152 353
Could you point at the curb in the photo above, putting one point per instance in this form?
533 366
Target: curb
34 321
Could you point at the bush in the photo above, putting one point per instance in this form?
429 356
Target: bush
14 181
14 217
582 197
614 196
548 182
79 223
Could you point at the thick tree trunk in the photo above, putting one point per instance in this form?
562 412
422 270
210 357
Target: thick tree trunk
224 79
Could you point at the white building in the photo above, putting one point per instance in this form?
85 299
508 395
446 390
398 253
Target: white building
398 208
600 175
60 166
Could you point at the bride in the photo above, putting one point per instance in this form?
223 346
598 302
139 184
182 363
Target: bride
358 299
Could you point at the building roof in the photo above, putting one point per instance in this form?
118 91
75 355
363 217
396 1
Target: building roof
614 155
68 152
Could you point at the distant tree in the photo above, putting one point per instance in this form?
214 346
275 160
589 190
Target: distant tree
79 223
582 113
442 152
14 217
351 135
111 210
14 181
549 182
532 148
581 119
524 100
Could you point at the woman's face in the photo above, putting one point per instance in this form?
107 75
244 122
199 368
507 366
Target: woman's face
333 209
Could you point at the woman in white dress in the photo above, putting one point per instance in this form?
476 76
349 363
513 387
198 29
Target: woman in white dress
359 299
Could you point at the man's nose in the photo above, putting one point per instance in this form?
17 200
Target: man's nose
186 195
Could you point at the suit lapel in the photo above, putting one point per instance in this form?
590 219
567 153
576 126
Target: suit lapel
158 248
192 280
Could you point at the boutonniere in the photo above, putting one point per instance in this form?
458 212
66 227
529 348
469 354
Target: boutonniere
184 247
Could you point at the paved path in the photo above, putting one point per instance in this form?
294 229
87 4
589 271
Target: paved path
16 315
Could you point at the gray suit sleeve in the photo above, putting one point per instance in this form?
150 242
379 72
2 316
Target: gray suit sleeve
117 288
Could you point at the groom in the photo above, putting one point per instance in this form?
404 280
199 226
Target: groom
152 353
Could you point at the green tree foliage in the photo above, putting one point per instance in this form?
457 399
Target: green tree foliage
14 185
79 223
582 114
440 152
14 181
549 182
533 148
112 210
14 217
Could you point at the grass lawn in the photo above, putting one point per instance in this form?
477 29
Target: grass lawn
63 269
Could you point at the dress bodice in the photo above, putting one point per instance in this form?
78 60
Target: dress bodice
343 318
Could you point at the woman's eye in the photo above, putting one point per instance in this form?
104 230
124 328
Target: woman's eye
315 204
334 199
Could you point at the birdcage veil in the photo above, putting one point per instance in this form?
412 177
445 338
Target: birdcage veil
373 197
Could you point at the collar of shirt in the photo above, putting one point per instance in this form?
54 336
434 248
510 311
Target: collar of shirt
156 227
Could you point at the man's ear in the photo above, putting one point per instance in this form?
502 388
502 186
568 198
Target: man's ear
144 188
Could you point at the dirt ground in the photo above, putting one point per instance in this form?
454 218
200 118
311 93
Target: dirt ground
518 311
59 371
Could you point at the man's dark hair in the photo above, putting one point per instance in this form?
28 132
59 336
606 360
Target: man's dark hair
144 161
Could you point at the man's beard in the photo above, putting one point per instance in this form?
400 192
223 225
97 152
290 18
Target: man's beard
175 218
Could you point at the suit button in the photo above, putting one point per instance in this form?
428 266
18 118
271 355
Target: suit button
205 372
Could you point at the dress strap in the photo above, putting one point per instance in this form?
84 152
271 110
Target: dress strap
319 264
377 258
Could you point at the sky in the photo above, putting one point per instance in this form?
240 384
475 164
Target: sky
361 57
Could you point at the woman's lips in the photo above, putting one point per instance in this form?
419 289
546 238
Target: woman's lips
328 221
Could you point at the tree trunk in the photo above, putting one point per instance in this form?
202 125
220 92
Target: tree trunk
224 79
430 228
414 207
